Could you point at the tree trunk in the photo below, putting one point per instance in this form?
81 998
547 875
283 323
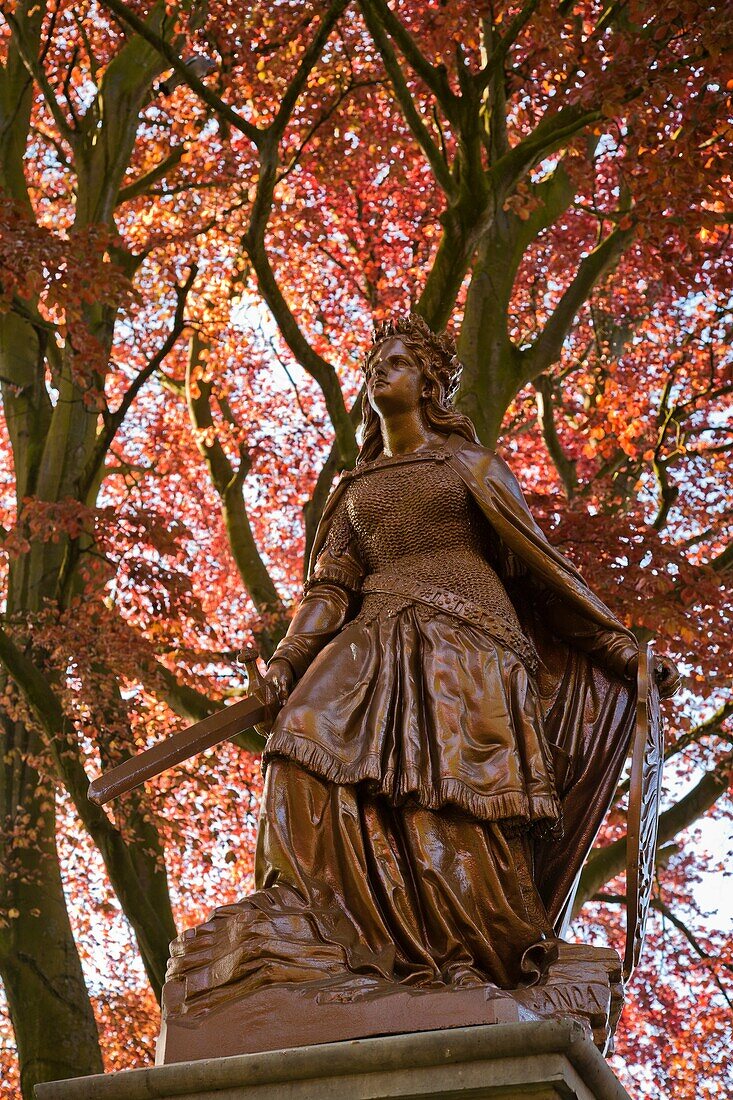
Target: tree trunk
52 1017
495 368
53 1020
491 362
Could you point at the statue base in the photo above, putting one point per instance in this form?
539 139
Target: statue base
544 1059
583 983
283 1016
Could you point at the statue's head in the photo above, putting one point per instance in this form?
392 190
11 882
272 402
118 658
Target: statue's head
428 378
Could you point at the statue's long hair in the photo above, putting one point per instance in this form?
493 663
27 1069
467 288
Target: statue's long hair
441 368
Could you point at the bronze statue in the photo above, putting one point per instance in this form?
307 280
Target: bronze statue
457 706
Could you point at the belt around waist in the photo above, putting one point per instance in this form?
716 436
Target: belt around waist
460 607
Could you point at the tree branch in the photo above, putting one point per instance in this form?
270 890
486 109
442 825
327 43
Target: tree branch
36 70
606 863
710 727
664 909
254 244
139 186
668 493
113 421
194 706
314 364
547 348
417 127
723 563
313 129
566 467
123 13
548 136
229 484
505 42
306 65
435 77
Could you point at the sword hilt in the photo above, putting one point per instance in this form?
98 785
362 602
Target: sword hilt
256 683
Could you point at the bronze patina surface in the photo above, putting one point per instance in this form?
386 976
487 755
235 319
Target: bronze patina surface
456 709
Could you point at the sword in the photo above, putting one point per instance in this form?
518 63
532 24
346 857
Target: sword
258 708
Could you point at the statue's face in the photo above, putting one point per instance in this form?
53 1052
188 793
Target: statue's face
395 379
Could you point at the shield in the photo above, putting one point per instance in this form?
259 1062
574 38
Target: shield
645 788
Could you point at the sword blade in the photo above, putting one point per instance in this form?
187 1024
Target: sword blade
218 727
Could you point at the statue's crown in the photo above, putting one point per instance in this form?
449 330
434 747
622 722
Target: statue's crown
438 348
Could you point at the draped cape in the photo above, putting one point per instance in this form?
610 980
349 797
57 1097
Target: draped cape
587 660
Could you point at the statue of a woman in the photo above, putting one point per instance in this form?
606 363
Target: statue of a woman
457 707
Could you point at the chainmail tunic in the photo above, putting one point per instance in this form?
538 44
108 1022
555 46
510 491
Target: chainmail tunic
413 516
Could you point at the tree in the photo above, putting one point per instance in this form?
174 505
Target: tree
190 271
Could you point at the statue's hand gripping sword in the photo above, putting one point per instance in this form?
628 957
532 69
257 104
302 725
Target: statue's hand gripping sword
258 708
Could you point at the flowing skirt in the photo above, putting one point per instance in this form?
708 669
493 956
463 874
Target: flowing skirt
348 885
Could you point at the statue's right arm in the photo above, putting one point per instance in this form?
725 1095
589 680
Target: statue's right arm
328 604
320 615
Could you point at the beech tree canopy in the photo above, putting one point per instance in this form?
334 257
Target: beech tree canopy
204 208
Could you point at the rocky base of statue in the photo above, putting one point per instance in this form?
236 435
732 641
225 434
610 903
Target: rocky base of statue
582 983
545 1059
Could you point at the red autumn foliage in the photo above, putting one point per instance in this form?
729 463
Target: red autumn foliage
186 287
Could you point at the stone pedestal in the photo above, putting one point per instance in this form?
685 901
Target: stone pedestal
544 1059
582 983
327 1012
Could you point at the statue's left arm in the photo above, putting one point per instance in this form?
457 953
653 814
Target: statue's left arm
595 631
